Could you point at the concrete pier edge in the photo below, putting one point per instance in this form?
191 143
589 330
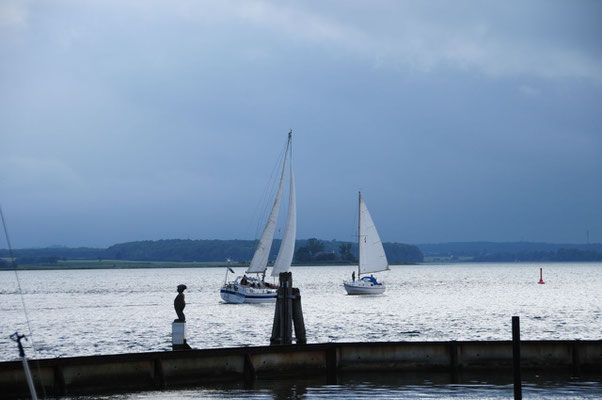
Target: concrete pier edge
160 370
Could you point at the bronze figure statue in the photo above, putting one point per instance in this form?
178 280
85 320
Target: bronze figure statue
179 304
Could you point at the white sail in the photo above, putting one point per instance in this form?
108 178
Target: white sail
259 262
372 255
287 247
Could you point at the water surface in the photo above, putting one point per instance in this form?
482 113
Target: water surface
85 312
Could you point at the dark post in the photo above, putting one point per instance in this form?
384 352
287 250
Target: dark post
298 318
282 330
288 308
518 392
276 325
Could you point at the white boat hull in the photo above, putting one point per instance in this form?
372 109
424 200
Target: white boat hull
360 287
237 294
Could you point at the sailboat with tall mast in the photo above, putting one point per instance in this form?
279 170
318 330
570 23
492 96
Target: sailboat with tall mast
249 289
371 256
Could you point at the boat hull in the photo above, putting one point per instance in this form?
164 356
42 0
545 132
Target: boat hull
240 294
363 288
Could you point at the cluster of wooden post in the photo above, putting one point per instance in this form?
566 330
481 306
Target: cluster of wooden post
288 310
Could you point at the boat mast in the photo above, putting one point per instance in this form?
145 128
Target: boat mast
260 259
359 237
287 245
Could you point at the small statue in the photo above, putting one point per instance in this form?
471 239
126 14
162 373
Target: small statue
179 304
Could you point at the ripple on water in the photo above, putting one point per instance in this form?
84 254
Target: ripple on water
93 312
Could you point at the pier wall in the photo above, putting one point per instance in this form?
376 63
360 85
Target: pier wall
158 370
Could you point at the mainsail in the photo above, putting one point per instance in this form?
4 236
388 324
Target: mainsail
259 262
287 247
372 257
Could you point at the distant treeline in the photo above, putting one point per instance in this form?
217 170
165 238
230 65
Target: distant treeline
31 260
309 251
59 252
513 251
210 250
558 255
49 255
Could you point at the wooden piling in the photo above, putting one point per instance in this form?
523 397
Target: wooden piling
300 334
288 309
276 325
518 392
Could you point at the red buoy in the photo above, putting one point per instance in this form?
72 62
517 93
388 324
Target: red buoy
541 282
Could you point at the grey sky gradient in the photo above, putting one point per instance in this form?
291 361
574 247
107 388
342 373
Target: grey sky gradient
458 120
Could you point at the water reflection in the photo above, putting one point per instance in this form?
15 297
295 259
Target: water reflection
385 386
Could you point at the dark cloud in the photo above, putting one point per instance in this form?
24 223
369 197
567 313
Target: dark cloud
151 120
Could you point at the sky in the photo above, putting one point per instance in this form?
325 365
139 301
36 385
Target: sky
148 119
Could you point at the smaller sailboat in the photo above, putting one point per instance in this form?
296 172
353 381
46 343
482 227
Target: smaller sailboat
249 289
371 256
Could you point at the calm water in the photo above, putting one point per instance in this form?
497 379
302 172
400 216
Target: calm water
87 312
361 389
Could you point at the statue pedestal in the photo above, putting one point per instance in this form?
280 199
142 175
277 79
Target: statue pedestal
178 336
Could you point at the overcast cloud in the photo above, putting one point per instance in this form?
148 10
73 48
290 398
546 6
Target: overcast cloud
463 120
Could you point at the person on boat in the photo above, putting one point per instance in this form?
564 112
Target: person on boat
244 280
374 280
179 303
353 276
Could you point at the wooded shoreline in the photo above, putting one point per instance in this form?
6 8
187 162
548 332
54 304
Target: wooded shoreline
211 253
